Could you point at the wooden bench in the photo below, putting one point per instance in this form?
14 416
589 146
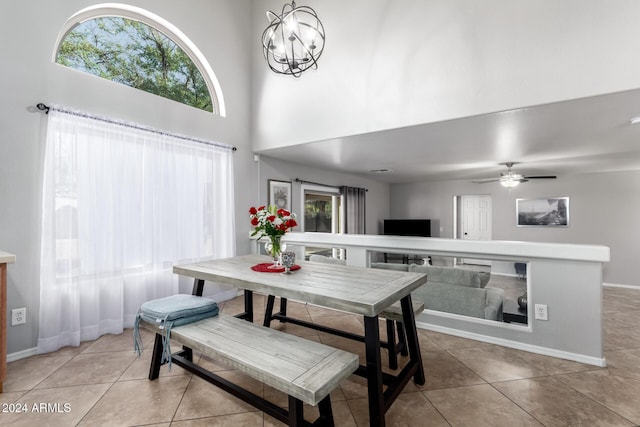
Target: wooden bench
305 370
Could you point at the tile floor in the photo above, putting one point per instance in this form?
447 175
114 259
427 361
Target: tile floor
469 383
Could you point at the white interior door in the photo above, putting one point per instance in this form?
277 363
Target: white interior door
476 222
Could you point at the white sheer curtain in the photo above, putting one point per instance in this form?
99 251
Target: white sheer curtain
121 205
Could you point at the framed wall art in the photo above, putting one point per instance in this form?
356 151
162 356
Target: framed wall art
543 212
280 194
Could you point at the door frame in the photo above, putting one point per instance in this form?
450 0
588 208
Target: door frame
336 212
458 213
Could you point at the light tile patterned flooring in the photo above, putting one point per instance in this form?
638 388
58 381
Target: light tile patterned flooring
469 383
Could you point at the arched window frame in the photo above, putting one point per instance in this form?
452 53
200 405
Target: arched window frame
168 29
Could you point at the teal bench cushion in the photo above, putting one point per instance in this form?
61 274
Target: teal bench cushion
167 312
180 309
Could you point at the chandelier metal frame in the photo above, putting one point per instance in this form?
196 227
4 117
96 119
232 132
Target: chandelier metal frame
294 40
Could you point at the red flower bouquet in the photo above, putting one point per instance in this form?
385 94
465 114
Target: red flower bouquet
272 223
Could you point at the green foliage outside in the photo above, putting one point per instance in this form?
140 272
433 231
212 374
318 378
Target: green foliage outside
132 53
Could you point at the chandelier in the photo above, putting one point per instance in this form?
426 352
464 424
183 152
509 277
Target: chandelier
293 41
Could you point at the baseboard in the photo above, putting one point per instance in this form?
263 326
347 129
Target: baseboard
22 354
617 285
221 296
581 358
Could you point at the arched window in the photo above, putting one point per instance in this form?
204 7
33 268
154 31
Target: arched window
134 47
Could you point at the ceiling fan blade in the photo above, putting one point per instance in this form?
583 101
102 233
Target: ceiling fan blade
482 181
540 177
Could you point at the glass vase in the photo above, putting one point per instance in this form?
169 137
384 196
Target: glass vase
274 247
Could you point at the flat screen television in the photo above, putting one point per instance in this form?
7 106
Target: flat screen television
407 227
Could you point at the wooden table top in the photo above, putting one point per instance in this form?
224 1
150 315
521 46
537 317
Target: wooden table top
356 290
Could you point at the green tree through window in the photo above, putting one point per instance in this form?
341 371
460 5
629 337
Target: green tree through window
132 53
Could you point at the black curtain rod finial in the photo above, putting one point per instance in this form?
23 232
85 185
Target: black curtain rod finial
43 107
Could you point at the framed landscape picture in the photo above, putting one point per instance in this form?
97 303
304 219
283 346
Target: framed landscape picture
280 194
543 212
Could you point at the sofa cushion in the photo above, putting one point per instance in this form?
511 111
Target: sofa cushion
495 298
389 266
484 278
327 260
440 296
452 276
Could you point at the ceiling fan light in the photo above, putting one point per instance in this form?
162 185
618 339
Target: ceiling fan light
509 182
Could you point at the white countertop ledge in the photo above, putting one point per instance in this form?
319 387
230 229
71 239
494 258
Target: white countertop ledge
435 246
7 258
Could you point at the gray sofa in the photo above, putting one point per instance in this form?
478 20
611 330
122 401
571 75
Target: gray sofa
455 290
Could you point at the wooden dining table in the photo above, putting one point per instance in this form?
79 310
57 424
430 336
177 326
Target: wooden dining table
357 290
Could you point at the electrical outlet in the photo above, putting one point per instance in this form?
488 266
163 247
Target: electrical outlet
541 312
18 316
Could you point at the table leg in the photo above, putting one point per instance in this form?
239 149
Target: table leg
156 358
374 372
198 287
268 311
391 341
248 305
412 338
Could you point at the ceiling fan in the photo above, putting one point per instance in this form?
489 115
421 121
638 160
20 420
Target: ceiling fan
511 178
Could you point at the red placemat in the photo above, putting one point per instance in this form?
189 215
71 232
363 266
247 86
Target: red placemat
264 268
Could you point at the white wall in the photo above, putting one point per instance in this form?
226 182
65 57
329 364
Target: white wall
603 210
377 199
29 29
390 64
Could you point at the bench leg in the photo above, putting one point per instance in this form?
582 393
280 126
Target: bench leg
402 339
391 341
187 353
248 305
326 413
296 412
283 306
156 358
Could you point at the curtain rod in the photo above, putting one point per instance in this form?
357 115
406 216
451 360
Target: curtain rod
302 181
43 107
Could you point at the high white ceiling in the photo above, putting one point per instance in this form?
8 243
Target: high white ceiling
579 136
